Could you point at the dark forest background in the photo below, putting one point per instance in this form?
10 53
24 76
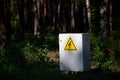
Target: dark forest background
30 28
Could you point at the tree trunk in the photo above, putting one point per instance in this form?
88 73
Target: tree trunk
85 19
104 19
44 15
72 21
7 20
54 19
110 17
59 29
2 25
21 17
36 17
88 14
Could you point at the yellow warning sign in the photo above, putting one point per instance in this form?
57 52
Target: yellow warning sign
70 45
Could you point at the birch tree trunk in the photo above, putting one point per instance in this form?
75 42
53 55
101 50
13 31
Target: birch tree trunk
72 22
104 18
36 17
88 14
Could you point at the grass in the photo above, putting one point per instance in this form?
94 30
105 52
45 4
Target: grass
50 71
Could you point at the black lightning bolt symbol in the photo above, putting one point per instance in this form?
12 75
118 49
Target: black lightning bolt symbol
69 44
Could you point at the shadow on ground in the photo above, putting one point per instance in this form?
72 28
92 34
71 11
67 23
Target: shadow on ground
50 71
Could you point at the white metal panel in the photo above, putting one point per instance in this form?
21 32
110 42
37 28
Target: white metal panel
72 60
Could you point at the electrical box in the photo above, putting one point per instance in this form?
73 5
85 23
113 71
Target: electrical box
74 51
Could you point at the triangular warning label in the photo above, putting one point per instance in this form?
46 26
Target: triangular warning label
70 45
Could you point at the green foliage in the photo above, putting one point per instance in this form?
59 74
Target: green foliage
97 53
116 34
110 62
32 49
98 57
33 53
102 22
14 14
101 56
21 53
3 57
48 39
4 61
7 56
51 42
